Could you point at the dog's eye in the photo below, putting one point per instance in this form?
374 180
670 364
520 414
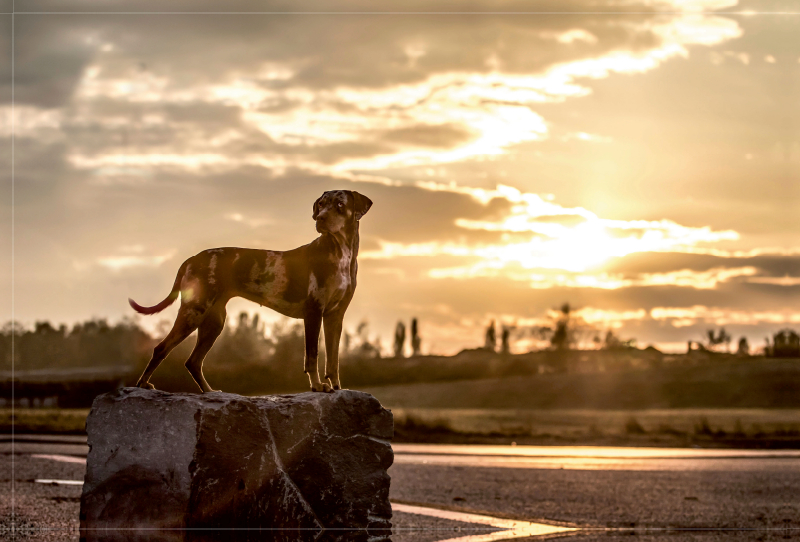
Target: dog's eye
340 205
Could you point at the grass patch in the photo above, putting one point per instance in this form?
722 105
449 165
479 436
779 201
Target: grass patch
708 427
44 420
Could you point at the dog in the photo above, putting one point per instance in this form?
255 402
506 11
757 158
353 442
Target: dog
314 282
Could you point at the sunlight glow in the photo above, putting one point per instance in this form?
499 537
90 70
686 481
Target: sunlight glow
571 248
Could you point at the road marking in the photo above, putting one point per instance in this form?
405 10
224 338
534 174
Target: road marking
594 452
60 482
764 463
512 528
62 458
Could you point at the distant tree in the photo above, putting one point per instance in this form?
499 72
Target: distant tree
416 341
491 338
744 347
561 337
359 345
399 339
282 351
505 347
247 342
721 337
786 344
93 343
612 342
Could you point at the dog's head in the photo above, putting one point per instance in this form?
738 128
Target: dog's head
336 209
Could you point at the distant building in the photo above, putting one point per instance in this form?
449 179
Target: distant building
785 344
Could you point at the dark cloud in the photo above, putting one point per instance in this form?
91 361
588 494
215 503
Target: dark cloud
410 214
664 262
354 50
394 6
331 154
50 56
5 58
441 136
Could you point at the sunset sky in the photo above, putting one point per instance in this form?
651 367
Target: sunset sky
639 159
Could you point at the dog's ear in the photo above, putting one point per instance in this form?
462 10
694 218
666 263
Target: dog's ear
361 205
316 207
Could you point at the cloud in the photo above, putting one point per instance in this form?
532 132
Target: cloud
568 246
50 60
583 136
609 318
253 222
542 279
401 93
785 280
120 262
687 316
437 135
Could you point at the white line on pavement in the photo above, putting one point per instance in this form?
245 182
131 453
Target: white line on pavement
60 482
62 458
594 452
512 528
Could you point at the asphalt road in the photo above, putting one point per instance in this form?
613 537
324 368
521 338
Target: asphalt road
669 494
609 493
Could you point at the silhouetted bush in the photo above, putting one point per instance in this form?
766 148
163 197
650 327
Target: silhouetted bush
93 343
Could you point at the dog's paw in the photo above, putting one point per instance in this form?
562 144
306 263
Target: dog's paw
334 382
145 385
325 388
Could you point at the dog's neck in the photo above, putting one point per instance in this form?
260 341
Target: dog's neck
354 252
347 239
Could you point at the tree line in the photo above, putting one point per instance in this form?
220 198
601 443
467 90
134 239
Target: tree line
96 343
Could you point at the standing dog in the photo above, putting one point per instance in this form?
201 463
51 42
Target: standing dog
314 282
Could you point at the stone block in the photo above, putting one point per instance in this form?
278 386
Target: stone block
306 463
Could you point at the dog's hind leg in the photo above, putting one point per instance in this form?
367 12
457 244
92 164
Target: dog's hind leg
182 328
312 323
207 333
333 333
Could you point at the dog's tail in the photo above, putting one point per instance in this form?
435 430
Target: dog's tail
169 300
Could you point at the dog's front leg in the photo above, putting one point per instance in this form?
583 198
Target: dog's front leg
313 321
333 333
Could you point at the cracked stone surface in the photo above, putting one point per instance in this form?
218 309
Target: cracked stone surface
308 462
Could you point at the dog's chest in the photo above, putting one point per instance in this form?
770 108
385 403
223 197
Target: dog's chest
335 285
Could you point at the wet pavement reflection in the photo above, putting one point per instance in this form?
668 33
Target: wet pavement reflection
466 533
235 536
678 487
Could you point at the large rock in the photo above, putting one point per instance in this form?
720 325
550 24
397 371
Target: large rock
307 462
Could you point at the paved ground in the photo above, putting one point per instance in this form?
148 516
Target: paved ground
698 496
